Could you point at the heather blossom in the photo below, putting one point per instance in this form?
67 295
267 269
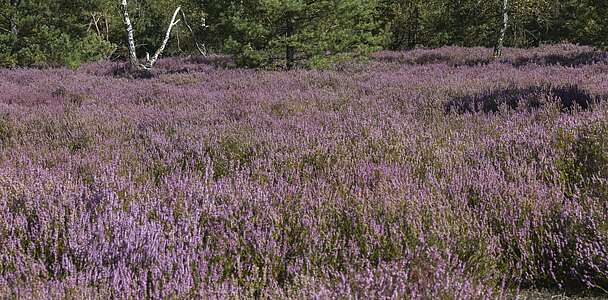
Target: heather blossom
424 174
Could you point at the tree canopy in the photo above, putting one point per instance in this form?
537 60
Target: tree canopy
285 33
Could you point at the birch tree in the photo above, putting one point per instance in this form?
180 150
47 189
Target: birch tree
134 61
202 49
14 18
503 29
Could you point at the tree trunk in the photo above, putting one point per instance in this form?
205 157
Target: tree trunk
14 17
503 29
107 26
416 26
150 63
289 50
290 57
134 61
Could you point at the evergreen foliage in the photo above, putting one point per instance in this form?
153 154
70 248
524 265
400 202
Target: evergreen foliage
289 33
50 33
286 33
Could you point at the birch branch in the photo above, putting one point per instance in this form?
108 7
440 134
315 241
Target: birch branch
105 20
135 64
150 62
201 48
96 19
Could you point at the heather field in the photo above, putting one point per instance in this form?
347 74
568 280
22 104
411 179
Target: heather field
429 174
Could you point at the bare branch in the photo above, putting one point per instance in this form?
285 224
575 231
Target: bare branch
96 18
105 20
200 47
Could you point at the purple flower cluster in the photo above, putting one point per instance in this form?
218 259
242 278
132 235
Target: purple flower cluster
560 54
357 182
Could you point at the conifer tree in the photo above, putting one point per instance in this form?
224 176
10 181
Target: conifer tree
289 33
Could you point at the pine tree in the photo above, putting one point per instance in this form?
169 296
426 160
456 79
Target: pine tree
290 33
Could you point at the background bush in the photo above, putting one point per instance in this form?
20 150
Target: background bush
259 33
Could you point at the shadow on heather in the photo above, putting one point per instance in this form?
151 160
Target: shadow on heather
173 65
529 98
550 55
568 60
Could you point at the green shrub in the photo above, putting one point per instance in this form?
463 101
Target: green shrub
7 59
290 33
47 46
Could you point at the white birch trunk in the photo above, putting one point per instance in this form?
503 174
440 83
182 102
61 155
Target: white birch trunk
503 29
134 61
13 20
130 39
151 61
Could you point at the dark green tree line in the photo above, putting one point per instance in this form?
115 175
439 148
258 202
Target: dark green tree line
49 33
285 33
435 23
300 32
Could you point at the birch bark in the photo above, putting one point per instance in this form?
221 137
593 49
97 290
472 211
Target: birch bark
503 29
14 17
134 61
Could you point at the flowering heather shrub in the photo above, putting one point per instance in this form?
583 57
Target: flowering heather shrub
204 182
561 54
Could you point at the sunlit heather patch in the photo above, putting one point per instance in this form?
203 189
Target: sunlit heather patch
204 181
